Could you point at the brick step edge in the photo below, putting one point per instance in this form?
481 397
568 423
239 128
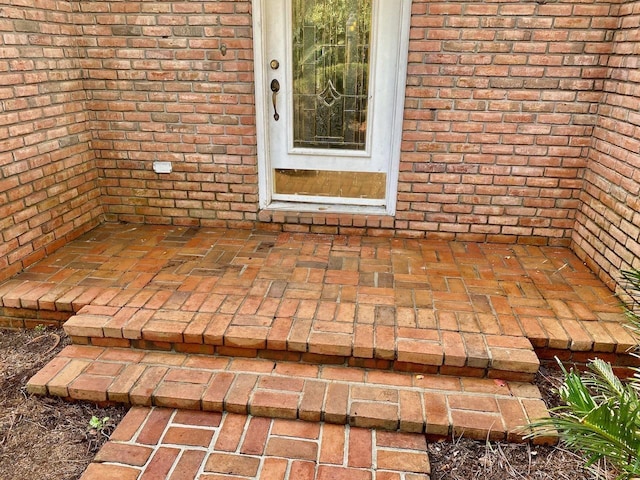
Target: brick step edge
438 406
450 352
315 358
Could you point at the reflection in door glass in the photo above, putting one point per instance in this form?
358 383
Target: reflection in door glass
330 73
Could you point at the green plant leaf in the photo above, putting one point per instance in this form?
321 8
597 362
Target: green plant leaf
600 418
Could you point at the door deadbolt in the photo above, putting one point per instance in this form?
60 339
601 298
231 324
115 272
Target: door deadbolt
274 64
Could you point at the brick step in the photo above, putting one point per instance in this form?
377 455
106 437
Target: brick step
439 406
293 339
28 302
178 444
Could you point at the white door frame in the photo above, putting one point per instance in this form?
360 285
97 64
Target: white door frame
263 117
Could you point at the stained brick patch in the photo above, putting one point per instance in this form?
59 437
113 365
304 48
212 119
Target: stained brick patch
213 446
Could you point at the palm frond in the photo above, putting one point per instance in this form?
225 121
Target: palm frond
599 425
602 380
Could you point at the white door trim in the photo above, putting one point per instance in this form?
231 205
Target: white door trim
263 99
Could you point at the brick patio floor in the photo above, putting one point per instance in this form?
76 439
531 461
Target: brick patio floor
372 334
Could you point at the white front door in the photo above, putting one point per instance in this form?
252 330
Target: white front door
330 77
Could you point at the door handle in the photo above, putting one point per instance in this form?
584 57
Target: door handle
275 88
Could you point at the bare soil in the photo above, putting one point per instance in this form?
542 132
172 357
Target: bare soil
43 438
50 439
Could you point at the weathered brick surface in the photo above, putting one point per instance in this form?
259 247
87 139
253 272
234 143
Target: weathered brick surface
292 450
48 179
468 309
519 120
500 107
163 90
607 231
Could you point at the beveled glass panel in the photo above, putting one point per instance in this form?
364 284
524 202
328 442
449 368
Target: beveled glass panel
331 73
318 183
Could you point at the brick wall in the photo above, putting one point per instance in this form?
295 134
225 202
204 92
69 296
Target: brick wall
501 104
172 81
501 109
48 185
607 233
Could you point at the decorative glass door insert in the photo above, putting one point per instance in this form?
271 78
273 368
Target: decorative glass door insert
330 73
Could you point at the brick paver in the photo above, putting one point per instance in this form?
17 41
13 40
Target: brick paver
281 450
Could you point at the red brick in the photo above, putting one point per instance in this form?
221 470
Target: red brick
276 469
326 472
91 388
374 415
214 395
129 425
514 417
196 437
37 383
59 385
332 444
281 383
133 455
256 437
195 418
336 405
147 383
119 389
302 470
477 425
292 448
403 461
360 448
154 427
384 342
231 431
178 395
231 464
274 404
312 401
161 463
437 413
295 428
411 414
188 465
97 471
237 398
401 440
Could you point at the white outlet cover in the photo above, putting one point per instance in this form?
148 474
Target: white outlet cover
162 167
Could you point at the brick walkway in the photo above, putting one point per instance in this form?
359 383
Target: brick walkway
350 334
152 444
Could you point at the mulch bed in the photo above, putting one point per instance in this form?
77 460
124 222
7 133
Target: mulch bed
471 460
51 439
43 438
